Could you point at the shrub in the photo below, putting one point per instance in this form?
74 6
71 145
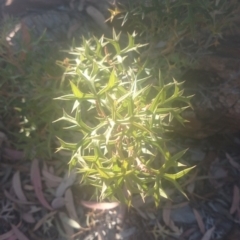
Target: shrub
120 117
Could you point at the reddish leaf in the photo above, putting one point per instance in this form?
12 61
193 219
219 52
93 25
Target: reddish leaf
7 235
36 181
13 237
199 221
13 154
18 233
208 234
167 213
236 200
28 217
101 206
17 187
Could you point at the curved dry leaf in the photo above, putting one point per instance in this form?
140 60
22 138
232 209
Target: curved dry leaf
67 181
101 206
70 205
44 219
36 181
97 16
199 221
13 154
10 197
232 162
18 233
166 213
58 203
236 200
208 234
17 187
7 235
50 177
28 217
13 237
68 230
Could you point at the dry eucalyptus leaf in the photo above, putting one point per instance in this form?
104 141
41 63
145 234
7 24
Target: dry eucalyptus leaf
101 206
16 182
208 234
44 219
233 162
70 205
18 233
236 200
67 229
58 203
36 181
199 221
67 181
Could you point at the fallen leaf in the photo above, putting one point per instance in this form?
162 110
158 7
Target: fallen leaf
18 233
101 206
208 234
70 205
68 230
28 217
233 163
10 197
42 220
58 203
236 199
13 237
166 213
17 186
67 181
50 177
199 221
13 154
36 181
7 235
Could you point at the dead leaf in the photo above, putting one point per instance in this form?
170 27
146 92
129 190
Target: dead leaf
44 219
7 235
166 213
68 230
97 16
50 177
199 221
101 206
13 237
58 203
13 154
28 217
67 181
167 220
10 197
17 186
208 234
233 163
18 233
36 181
236 199
70 205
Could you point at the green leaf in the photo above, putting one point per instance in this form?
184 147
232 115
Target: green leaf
179 174
176 184
111 83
